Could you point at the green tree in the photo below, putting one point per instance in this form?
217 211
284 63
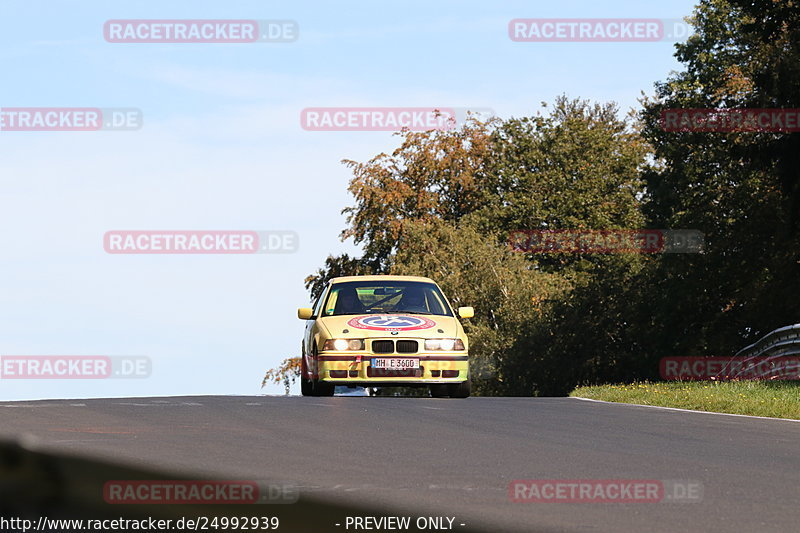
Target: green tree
739 188
509 297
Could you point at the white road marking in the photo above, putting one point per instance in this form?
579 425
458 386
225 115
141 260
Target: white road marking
31 406
684 410
164 404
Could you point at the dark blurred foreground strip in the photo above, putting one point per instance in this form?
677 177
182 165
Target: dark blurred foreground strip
35 483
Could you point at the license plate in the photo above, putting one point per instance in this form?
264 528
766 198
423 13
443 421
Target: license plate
392 363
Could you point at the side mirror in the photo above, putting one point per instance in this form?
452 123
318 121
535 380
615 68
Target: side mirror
304 313
466 312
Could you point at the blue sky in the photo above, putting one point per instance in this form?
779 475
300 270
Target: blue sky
222 148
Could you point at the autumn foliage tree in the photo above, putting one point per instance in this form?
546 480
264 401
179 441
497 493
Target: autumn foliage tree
442 205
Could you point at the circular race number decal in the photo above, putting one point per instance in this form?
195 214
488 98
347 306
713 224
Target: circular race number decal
391 322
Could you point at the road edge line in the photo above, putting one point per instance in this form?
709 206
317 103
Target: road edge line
684 410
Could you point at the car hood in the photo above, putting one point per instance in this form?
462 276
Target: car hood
406 325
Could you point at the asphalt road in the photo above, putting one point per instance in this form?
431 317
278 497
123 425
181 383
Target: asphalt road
443 457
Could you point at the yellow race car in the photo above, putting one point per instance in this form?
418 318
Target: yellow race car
384 331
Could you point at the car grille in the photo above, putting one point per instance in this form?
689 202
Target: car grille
403 346
382 346
407 346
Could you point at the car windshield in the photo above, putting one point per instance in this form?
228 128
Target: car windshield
376 297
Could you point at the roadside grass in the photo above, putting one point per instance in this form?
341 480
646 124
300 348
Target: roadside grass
779 399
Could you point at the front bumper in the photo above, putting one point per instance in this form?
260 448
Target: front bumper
356 368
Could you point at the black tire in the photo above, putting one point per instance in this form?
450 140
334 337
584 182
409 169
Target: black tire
460 390
322 388
306 386
439 390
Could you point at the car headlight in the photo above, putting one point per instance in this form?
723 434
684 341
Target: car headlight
446 345
341 345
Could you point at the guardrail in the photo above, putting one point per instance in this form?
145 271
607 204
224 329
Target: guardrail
782 341
38 485
774 356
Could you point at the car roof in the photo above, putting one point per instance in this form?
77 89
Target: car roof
381 278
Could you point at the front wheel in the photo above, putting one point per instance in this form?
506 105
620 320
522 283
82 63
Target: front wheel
439 390
322 388
460 390
306 385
